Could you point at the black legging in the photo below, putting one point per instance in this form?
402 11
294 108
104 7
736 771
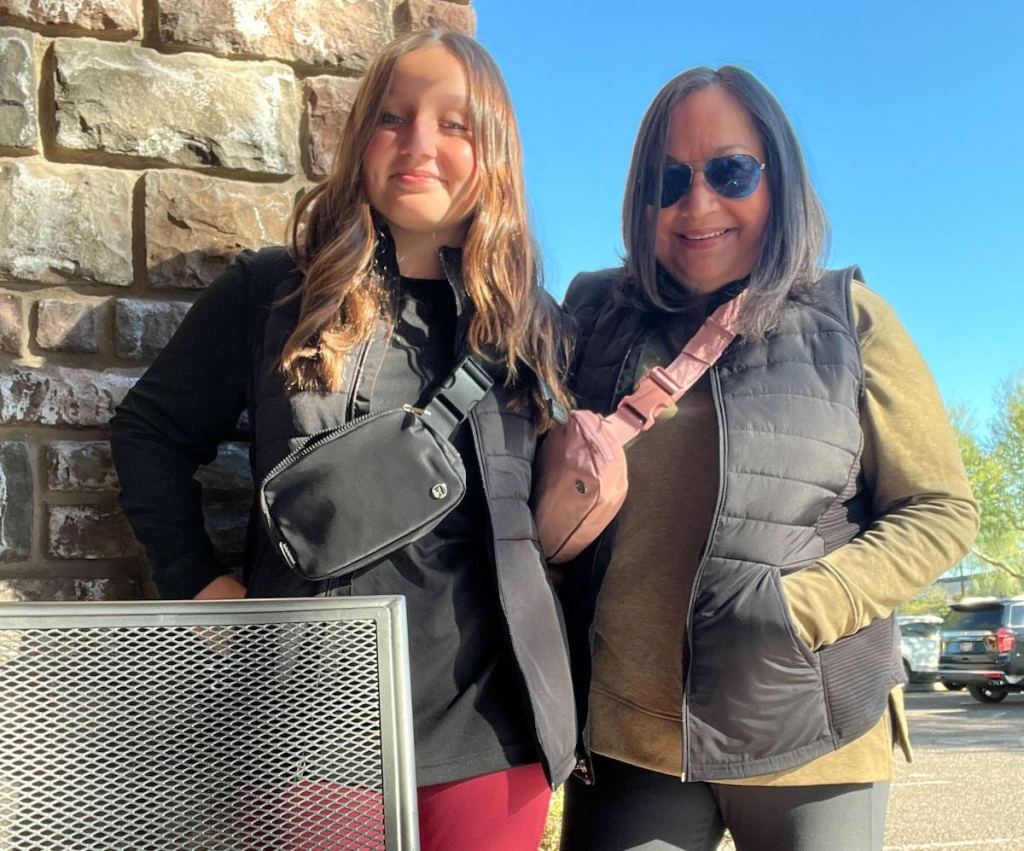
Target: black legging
632 809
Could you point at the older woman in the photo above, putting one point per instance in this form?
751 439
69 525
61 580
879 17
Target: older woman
734 628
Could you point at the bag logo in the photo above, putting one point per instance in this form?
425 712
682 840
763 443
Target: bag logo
439 491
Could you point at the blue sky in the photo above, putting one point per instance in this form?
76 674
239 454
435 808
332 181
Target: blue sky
911 116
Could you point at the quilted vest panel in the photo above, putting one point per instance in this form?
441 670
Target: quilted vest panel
758 700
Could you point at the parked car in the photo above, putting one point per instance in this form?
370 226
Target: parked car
920 644
983 647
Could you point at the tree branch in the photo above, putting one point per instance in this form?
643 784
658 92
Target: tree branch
1002 565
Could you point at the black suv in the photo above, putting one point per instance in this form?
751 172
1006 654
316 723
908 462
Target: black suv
983 647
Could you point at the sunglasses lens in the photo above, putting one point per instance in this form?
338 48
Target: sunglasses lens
735 176
674 183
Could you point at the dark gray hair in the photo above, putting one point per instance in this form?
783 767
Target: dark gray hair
797 231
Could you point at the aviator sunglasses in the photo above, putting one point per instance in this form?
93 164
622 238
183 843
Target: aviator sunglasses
733 176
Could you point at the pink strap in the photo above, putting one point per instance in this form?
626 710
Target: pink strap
663 386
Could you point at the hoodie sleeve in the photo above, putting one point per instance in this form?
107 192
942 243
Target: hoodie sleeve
926 517
172 421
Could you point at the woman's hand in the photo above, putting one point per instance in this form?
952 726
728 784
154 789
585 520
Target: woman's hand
226 587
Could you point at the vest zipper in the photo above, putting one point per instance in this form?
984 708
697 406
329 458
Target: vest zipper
478 451
716 395
357 377
612 401
584 766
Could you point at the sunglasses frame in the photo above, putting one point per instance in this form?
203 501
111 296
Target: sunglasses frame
703 170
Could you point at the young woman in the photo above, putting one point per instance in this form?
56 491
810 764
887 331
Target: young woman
734 627
414 249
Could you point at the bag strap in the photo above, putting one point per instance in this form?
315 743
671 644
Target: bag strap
458 394
663 386
556 410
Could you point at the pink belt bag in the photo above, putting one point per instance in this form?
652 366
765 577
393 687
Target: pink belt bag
581 479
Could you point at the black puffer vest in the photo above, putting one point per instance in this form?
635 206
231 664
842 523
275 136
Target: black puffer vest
756 698
282 420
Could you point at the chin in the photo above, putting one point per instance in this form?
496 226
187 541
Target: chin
704 286
698 283
417 220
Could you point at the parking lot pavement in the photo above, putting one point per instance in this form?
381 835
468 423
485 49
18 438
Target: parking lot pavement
946 720
963 789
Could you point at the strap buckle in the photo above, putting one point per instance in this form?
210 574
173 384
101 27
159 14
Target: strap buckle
656 392
459 394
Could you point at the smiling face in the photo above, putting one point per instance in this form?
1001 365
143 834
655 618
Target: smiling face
705 241
419 168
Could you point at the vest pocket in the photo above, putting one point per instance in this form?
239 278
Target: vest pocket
755 689
809 655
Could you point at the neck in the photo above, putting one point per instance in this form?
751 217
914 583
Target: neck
419 255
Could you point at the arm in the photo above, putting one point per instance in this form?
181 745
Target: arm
911 464
172 421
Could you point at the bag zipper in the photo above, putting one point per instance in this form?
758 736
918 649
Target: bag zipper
280 544
319 439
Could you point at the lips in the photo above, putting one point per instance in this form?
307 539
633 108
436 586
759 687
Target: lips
415 176
704 239
701 235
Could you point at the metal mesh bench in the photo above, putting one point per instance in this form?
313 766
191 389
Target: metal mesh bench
249 725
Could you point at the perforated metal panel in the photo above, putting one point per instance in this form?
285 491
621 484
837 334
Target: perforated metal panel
249 725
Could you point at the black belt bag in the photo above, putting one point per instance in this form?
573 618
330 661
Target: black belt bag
354 494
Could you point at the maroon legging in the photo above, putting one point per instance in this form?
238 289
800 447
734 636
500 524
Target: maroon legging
502 811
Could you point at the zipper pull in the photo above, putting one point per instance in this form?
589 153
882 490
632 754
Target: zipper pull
286 553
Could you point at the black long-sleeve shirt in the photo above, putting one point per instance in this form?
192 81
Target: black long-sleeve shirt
469 713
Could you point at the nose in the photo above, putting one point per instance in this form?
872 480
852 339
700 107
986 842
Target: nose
420 139
700 198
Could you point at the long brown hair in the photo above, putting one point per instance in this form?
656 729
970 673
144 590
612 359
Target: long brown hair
335 242
797 232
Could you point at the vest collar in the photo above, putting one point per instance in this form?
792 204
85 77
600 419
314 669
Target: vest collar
451 265
386 262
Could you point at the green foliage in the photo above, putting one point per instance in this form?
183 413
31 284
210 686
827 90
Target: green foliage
930 601
995 467
995 583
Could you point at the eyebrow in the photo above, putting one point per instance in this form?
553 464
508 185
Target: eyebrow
717 152
446 100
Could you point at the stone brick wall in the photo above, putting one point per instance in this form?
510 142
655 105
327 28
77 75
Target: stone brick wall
142 144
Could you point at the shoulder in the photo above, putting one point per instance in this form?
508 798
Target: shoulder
262 274
267 267
588 291
246 285
253 269
873 316
272 260
830 299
